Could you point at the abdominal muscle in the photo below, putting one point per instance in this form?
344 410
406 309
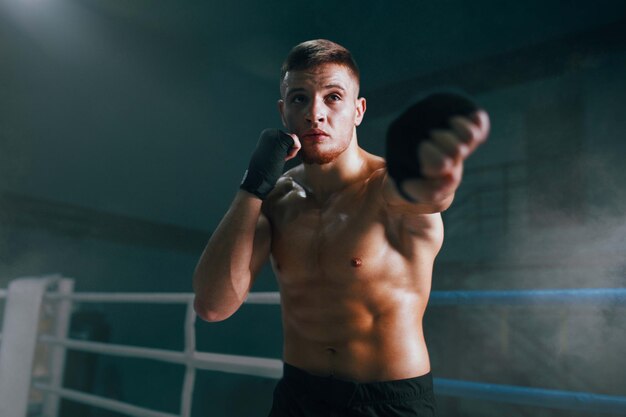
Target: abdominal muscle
360 334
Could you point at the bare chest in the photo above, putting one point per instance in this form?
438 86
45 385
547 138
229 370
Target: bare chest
340 242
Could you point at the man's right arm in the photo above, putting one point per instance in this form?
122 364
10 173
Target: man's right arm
241 243
234 255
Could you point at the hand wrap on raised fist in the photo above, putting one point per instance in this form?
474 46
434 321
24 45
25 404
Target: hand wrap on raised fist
413 126
267 162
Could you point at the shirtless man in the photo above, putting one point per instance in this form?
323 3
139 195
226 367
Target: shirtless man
352 246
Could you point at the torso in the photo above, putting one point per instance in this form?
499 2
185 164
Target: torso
354 276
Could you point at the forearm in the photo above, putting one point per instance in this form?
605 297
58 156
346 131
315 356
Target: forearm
241 243
223 275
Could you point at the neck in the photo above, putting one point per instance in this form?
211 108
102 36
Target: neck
325 180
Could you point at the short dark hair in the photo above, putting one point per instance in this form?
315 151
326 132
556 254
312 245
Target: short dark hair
313 53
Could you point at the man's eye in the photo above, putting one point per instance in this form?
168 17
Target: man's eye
298 99
334 97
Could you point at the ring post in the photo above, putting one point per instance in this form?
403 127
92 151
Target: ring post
63 310
17 350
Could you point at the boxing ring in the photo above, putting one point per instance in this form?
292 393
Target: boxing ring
21 336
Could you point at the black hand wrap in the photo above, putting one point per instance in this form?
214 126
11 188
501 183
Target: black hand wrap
413 127
267 162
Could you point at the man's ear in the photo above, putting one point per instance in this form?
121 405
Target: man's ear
281 110
361 105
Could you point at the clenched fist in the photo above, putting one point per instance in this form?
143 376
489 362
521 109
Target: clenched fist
427 144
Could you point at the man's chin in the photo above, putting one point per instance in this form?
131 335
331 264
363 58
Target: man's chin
311 158
318 160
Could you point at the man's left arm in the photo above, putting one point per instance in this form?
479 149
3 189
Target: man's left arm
439 159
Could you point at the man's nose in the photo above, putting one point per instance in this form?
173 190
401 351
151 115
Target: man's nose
315 112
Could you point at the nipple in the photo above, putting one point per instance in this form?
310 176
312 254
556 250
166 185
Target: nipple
356 262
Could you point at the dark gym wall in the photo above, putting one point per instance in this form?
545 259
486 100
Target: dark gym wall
125 129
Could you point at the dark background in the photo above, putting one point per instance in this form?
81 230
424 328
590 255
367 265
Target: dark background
125 128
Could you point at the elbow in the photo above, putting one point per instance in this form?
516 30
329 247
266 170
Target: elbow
210 314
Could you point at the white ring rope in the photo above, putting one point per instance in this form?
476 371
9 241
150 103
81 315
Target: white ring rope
97 401
164 298
246 365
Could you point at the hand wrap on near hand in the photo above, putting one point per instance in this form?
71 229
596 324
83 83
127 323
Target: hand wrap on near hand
413 126
267 162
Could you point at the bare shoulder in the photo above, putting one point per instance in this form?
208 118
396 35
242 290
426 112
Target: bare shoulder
377 168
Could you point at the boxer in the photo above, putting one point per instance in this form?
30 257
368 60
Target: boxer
352 238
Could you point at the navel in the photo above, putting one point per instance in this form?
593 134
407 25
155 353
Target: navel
356 262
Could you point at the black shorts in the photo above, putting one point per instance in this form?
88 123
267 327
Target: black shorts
300 394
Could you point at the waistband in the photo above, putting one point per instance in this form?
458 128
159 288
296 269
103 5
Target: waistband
342 392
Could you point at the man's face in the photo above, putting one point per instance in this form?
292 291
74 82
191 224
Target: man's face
321 106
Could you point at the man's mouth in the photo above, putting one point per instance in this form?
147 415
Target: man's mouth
315 135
